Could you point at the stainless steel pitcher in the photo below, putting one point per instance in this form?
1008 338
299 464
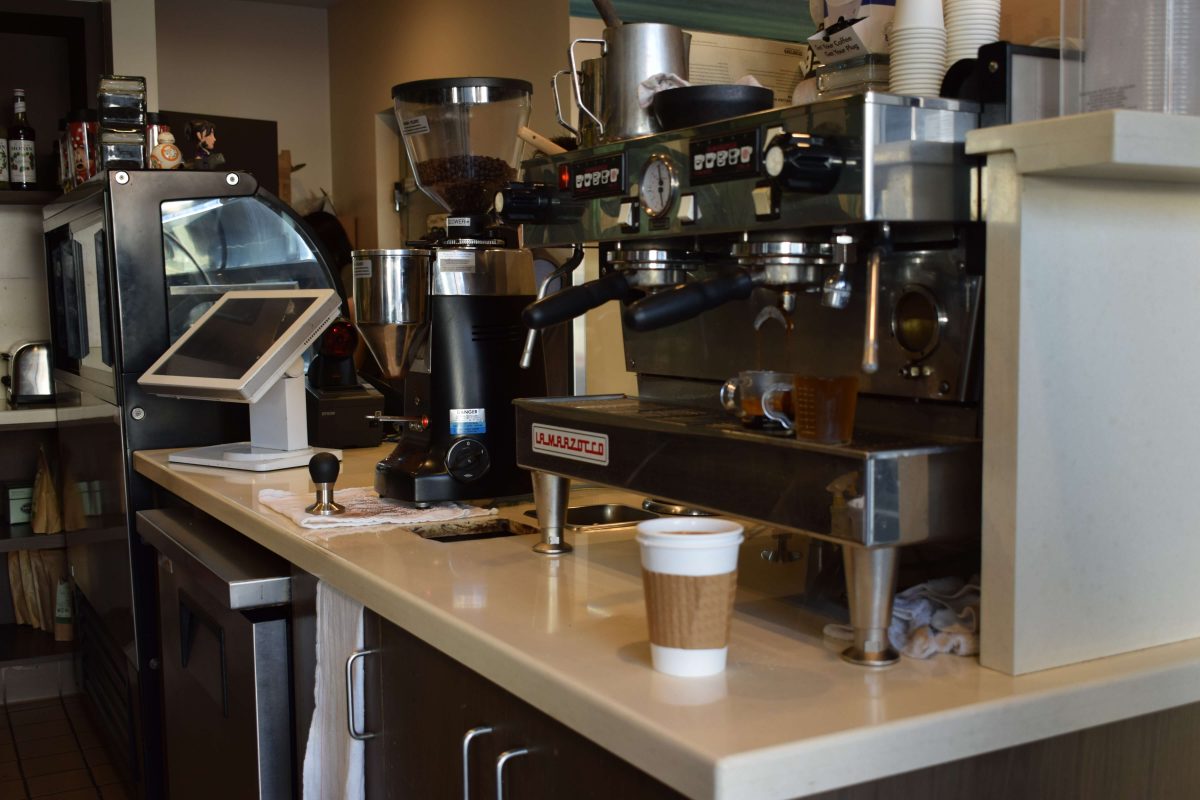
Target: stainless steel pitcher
631 53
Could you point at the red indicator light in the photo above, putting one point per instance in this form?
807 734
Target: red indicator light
564 177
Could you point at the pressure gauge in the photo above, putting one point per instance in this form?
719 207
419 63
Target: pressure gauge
656 189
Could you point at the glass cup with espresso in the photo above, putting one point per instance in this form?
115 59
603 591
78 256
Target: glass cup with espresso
743 396
821 409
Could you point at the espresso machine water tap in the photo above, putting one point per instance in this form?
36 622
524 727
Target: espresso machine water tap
831 239
442 316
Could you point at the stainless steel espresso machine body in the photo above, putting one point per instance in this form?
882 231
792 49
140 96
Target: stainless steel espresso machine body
829 239
442 317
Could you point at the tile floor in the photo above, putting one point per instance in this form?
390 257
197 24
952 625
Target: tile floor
49 749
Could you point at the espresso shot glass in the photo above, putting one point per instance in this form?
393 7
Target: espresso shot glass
743 395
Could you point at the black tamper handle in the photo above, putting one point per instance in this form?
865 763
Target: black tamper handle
324 468
667 308
575 300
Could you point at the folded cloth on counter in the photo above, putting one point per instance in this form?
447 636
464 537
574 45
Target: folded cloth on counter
333 762
669 80
938 616
364 507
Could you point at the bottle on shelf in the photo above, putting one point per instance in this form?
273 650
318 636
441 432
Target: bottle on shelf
22 160
3 157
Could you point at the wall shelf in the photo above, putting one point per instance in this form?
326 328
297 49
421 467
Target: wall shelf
22 537
35 197
27 418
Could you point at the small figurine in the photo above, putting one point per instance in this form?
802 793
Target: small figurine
165 154
203 135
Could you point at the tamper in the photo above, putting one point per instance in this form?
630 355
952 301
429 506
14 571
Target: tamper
323 468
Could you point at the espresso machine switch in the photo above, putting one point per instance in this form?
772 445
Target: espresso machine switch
689 209
467 460
798 162
628 215
765 197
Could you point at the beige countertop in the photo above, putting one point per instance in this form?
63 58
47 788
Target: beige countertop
568 635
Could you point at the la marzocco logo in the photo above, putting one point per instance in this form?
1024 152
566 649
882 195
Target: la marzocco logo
566 443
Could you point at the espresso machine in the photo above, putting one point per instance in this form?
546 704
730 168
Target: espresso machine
442 316
837 238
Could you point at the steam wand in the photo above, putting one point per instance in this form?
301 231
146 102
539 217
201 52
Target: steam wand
566 269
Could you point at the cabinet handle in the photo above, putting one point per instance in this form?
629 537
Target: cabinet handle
504 758
362 737
469 737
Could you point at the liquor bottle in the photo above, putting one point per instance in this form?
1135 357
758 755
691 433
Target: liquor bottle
3 158
22 161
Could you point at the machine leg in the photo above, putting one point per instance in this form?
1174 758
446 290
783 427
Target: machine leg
871 585
550 494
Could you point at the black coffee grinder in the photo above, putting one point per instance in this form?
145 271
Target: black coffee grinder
443 316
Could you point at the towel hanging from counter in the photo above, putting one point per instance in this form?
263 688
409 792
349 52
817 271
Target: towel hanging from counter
333 762
364 507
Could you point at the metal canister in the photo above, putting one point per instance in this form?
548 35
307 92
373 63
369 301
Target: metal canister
391 299
81 147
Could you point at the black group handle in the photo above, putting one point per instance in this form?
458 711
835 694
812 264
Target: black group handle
667 308
575 301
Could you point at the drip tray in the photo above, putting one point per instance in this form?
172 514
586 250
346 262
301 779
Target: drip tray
472 529
602 517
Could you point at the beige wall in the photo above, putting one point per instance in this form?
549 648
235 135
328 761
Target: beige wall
375 44
1026 21
234 58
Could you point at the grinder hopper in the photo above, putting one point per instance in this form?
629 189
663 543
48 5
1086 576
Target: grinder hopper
461 137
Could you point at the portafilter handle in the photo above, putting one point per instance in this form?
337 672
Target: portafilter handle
690 300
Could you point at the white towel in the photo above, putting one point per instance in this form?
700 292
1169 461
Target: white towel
333 762
938 616
364 507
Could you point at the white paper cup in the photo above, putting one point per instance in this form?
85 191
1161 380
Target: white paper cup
918 14
689 573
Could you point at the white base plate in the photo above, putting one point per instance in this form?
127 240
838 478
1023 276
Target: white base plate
246 456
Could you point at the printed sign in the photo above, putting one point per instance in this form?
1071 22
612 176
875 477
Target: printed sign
362 268
456 261
415 126
468 420
575 445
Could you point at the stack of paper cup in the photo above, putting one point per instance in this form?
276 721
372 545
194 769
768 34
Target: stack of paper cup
918 47
689 572
970 24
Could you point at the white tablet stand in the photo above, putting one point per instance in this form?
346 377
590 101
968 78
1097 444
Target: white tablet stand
248 348
278 433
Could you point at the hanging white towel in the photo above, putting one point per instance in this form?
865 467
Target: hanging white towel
333 762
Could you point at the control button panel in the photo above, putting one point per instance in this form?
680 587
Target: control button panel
597 177
724 158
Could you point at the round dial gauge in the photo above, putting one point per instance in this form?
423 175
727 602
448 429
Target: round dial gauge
656 189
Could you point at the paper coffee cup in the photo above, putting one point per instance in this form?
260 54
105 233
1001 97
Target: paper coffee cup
689 573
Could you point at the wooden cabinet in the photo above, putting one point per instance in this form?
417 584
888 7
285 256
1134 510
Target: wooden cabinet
421 704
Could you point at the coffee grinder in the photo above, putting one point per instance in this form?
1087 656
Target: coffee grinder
442 317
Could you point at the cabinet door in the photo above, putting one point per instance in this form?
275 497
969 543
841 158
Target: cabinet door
429 702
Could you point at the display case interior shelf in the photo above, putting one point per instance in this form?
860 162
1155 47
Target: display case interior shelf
22 537
37 197
26 418
21 644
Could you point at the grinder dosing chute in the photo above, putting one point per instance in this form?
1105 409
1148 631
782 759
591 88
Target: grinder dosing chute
461 137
